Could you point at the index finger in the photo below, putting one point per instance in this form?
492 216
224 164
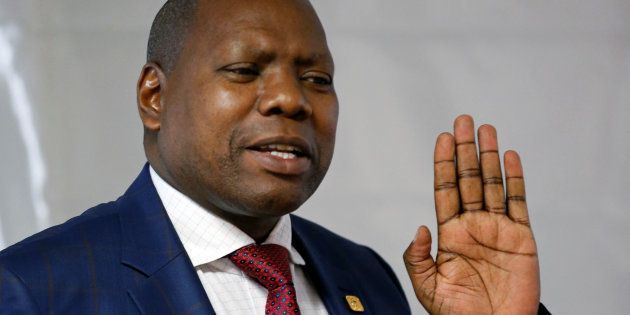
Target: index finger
445 179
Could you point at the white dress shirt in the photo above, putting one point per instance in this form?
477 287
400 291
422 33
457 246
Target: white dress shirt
208 239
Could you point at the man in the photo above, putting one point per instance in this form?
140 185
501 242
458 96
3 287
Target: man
239 113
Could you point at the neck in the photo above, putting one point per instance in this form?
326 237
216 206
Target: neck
257 228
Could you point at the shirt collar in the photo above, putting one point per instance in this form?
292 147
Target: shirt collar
207 237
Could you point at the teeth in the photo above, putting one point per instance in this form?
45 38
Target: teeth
284 155
282 147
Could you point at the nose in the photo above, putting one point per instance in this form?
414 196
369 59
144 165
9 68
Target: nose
283 95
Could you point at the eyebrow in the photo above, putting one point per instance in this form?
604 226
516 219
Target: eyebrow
313 59
308 60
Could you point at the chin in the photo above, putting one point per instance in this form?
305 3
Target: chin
273 200
260 194
279 204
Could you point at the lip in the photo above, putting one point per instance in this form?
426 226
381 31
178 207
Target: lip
298 142
278 165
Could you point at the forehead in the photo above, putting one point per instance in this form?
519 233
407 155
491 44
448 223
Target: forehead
277 12
253 24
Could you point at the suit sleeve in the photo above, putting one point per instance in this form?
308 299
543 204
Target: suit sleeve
14 296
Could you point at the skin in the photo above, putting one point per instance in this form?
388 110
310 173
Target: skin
261 69
242 77
487 262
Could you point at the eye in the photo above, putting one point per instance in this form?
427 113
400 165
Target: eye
242 72
318 78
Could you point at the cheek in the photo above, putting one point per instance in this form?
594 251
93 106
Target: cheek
225 100
218 116
326 120
226 106
326 128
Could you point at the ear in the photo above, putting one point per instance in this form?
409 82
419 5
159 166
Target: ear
151 84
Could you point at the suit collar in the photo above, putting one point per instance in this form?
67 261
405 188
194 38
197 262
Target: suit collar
151 247
150 241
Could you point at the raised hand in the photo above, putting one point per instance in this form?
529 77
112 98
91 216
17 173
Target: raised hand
486 261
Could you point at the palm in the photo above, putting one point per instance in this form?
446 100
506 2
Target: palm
486 260
483 262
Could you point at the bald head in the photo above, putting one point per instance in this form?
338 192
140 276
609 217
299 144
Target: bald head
169 31
174 22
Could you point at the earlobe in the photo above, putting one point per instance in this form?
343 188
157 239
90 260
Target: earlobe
149 93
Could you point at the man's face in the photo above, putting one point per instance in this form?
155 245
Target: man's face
250 112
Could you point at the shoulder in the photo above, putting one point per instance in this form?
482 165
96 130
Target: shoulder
347 264
96 226
63 257
329 245
319 236
312 230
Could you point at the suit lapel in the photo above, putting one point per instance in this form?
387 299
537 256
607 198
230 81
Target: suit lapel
151 247
329 271
174 289
165 280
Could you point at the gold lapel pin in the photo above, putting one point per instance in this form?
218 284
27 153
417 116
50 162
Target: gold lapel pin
355 303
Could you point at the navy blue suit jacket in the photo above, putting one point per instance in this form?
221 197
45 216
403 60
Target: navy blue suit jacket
124 257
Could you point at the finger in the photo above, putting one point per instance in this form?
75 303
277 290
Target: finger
444 179
421 266
517 206
468 173
492 179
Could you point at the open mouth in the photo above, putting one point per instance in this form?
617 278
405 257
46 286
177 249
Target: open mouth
281 155
283 151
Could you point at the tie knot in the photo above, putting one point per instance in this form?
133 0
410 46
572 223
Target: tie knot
268 264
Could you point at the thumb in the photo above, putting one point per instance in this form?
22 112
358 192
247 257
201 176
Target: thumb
420 265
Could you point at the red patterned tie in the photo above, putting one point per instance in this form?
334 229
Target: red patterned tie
269 265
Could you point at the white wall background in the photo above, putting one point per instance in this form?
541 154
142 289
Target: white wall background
552 76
